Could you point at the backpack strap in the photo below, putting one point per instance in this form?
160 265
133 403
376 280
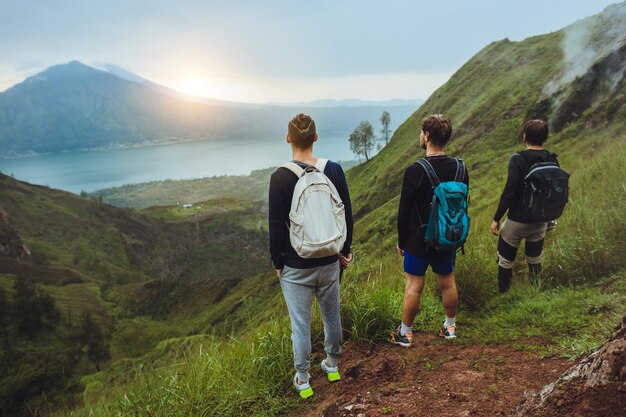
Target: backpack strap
295 168
460 170
321 164
430 172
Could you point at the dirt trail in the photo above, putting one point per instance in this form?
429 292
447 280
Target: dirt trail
436 378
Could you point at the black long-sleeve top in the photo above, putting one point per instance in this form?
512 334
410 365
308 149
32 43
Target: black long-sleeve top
415 202
511 198
282 184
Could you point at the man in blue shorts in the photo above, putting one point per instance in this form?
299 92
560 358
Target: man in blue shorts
415 202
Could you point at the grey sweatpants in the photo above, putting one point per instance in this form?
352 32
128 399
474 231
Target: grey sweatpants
299 286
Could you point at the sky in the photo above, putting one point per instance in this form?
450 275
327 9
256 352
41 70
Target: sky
274 50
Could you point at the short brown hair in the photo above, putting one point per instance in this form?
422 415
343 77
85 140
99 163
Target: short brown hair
535 131
301 130
439 128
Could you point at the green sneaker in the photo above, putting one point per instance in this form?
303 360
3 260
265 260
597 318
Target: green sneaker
305 389
331 371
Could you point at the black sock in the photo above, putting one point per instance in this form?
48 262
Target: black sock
504 279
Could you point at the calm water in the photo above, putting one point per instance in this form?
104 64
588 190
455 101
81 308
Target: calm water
93 170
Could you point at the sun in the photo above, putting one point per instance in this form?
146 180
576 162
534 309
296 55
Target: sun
194 86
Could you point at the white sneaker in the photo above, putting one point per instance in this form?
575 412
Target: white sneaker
305 389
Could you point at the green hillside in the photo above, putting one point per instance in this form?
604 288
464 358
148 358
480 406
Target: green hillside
140 277
229 351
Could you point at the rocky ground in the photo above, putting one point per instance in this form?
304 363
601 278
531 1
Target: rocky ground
436 378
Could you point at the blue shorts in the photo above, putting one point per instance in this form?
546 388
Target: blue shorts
442 265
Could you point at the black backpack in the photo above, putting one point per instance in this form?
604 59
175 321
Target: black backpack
546 188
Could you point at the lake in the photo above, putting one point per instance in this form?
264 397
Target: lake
93 170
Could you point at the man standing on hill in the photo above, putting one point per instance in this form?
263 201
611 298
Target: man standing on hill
310 192
520 223
413 215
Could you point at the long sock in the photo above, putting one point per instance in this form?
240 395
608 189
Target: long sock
504 279
404 329
303 376
330 361
533 271
450 321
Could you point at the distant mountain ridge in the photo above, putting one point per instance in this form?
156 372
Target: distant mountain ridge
73 106
348 102
355 102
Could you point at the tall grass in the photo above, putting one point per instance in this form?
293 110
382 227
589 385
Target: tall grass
589 240
202 376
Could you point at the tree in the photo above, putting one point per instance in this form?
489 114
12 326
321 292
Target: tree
385 120
4 322
33 310
362 140
26 312
95 341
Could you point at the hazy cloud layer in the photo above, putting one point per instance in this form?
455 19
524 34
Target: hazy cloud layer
246 40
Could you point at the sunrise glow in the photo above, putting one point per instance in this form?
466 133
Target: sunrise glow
194 86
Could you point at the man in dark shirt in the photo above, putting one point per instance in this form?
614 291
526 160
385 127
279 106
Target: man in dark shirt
415 202
520 224
300 278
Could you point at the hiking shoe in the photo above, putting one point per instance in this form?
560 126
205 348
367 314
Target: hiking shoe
305 389
447 331
404 340
331 371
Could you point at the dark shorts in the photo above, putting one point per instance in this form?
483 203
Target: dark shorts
442 264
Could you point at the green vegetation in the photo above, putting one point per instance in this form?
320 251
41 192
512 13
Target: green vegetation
106 281
385 132
362 140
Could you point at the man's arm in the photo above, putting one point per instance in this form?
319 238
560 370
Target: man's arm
408 199
277 214
512 181
344 193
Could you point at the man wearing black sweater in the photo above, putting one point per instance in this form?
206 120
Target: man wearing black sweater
520 224
301 279
413 212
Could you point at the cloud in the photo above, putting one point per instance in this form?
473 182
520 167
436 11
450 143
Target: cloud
587 41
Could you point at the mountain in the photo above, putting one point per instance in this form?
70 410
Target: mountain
573 78
74 106
131 76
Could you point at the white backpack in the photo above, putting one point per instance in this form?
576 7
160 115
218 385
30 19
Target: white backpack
317 217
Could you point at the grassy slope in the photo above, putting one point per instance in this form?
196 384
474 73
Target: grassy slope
125 269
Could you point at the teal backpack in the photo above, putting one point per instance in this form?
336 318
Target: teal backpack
448 222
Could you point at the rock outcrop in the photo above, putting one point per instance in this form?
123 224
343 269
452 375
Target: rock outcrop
594 387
